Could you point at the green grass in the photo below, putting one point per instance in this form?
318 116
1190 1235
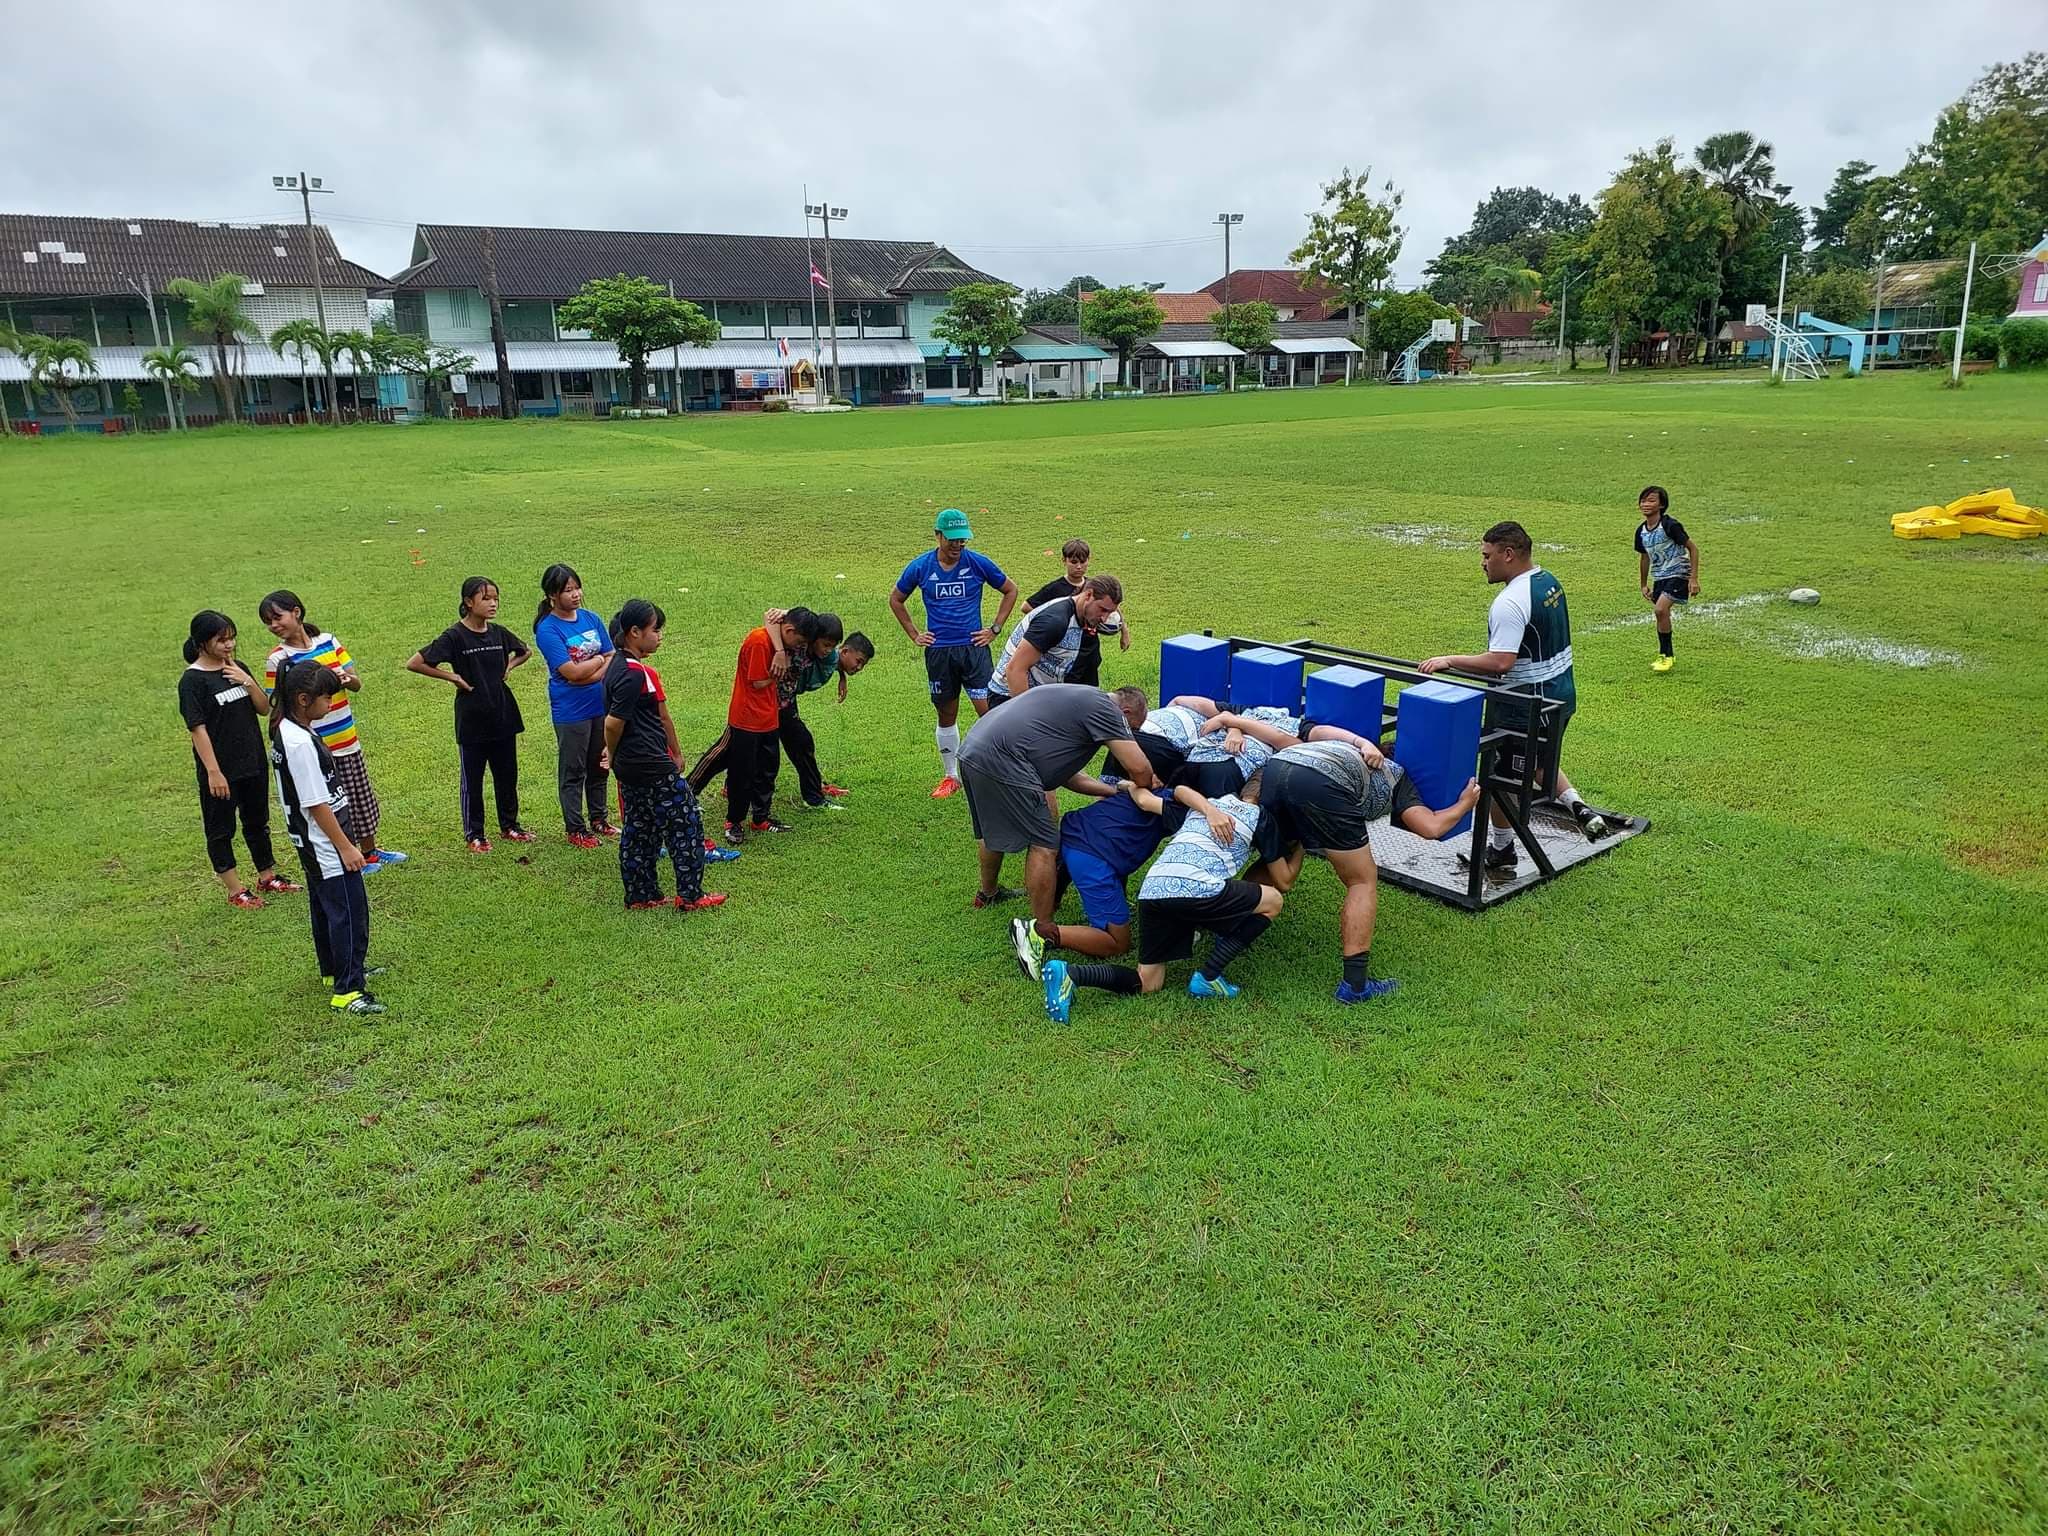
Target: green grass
1700 1191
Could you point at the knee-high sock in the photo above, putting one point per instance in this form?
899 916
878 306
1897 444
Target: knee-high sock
949 750
1229 946
1110 978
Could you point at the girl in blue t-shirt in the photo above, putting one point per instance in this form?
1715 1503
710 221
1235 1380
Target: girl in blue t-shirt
577 648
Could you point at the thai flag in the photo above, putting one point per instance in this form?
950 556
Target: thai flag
818 278
782 346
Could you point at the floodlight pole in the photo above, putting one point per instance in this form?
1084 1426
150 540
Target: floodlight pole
1226 220
1955 375
826 213
1777 335
1876 313
1564 294
306 186
810 266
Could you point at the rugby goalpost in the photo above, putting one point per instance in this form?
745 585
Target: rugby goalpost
1526 726
1792 354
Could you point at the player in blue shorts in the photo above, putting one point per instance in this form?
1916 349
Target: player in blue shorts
1669 565
954 641
1101 846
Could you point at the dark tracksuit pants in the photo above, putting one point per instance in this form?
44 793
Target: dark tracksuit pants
340 908
502 759
251 799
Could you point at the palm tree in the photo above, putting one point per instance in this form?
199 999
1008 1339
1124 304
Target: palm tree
360 348
1511 285
303 337
1739 166
60 364
177 366
215 309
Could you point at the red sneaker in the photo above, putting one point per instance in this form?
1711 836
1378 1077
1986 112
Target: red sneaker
251 900
833 790
277 885
604 829
946 788
703 903
582 840
479 845
516 835
649 906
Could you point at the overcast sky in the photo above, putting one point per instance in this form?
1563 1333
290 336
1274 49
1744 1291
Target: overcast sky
1037 140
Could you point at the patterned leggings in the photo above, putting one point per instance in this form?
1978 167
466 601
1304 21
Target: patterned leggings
661 815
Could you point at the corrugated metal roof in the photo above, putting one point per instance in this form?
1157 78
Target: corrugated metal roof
1914 282
1282 287
1055 352
555 263
252 361
586 356
1296 346
1171 332
1209 348
48 257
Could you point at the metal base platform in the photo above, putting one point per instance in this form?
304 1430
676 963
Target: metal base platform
1436 870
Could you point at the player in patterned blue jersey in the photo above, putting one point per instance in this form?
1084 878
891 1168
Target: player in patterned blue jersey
1669 565
955 642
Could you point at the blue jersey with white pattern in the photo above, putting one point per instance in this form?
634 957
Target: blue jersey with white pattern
952 599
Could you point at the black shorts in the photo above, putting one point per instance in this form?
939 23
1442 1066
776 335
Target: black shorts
951 668
1514 717
1212 780
1673 587
1312 809
1167 925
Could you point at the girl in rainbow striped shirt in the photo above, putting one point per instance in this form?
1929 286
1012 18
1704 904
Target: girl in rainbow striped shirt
285 617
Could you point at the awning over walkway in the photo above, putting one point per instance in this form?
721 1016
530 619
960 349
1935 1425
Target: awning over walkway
123 365
1191 349
588 356
1296 346
1055 352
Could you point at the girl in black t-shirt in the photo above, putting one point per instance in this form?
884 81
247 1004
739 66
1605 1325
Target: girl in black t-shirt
487 720
220 701
640 745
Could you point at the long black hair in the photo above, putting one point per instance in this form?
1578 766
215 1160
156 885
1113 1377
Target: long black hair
208 625
282 601
470 587
300 679
554 581
636 613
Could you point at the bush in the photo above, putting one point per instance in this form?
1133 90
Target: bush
775 405
1980 341
2026 342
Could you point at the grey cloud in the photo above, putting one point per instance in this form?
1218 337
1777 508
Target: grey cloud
1038 139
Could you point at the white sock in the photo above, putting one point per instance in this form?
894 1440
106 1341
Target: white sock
949 750
1571 799
1500 837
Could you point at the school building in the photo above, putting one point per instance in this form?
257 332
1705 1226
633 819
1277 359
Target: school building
758 288
105 282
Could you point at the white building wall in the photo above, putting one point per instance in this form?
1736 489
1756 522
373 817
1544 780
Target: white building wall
348 309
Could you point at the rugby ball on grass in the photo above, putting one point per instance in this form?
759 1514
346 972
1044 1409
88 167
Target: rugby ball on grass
1804 595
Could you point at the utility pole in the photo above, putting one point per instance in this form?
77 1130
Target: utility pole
149 302
827 213
1564 294
1226 220
1778 335
811 265
306 186
508 405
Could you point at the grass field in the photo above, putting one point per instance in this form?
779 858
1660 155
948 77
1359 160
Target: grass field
1703 1190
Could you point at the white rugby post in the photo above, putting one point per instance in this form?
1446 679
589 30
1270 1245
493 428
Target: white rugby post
1777 343
1955 373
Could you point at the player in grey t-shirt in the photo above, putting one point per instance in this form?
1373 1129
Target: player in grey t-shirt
1038 742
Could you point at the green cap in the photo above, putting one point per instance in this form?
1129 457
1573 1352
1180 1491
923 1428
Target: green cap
952 524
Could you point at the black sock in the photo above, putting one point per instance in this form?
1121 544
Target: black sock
1110 978
1664 641
1229 946
1355 974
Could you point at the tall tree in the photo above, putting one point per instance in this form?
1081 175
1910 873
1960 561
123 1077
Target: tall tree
1401 319
1846 194
177 368
1521 217
637 317
360 348
1620 246
1739 167
1057 306
1248 327
1123 317
978 317
59 365
1982 174
421 359
215 310
1352 244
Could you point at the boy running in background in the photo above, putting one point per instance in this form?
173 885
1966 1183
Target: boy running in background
1668 565
954 641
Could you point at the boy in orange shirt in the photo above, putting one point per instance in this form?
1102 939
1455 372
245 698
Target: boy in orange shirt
754 717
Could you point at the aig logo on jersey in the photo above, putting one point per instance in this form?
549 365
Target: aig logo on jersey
949 589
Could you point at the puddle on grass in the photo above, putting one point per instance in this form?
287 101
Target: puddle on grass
1743 522
1693 612
1795 638
1430 536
